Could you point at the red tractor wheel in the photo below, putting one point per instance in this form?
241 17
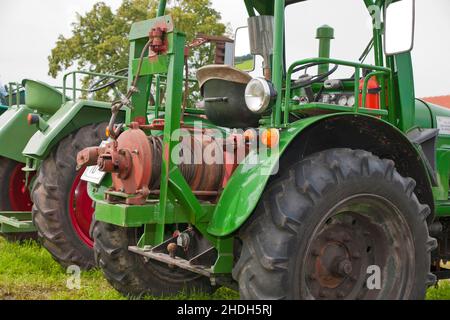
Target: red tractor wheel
62 210
14 194
81 209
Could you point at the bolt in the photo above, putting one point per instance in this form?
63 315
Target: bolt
136 152
345 268
172 249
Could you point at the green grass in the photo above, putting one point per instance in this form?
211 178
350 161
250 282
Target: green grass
27 271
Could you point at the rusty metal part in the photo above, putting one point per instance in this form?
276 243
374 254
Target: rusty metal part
172 249
135 161
158 41
89 156
219 58
202 177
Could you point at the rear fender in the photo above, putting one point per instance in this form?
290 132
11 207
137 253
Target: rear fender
243 191
15 132
305 137
69 118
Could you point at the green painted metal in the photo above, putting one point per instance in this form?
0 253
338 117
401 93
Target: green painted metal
378 70
324 34
41 97
14 127
406 95
16 222
277 63
73 75
69 118
426 117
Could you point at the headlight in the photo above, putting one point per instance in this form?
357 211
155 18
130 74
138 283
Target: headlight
258 95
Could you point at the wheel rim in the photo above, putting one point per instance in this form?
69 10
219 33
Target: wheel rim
19 195
359 233
81 209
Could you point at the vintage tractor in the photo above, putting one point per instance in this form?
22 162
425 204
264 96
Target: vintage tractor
308 186
40 188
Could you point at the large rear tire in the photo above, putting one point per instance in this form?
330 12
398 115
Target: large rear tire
62 210
131 274
14 195
324 226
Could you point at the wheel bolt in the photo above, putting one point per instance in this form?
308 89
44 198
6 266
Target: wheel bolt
345 268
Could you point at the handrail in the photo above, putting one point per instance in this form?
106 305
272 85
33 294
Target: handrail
17 86
358 66
88 73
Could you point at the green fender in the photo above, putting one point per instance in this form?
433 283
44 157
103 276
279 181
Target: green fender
15 132
69 118
243 191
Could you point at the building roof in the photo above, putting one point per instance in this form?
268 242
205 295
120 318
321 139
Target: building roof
443 101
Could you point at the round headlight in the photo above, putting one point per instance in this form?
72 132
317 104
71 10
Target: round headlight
258 94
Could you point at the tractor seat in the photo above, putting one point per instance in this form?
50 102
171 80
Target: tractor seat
42 97
221 72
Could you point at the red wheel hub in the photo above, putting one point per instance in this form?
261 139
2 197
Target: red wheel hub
81 209
19 195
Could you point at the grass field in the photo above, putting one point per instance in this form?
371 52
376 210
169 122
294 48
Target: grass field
27 271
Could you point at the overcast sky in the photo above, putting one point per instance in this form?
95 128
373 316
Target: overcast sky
29 29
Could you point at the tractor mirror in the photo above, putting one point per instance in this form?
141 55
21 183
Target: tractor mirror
399 27
243 58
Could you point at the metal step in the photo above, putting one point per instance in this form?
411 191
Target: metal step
176 261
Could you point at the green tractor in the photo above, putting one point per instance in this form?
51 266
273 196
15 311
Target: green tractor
42 195
41 192
320 188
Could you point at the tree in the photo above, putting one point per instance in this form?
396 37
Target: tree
99 38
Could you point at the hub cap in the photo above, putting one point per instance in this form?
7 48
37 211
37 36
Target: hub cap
359 236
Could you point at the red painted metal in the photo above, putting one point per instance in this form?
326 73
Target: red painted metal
135 160
81 209
19 195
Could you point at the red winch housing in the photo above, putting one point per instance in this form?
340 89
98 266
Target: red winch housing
135 160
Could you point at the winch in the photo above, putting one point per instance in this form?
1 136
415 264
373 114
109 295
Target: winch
205 159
